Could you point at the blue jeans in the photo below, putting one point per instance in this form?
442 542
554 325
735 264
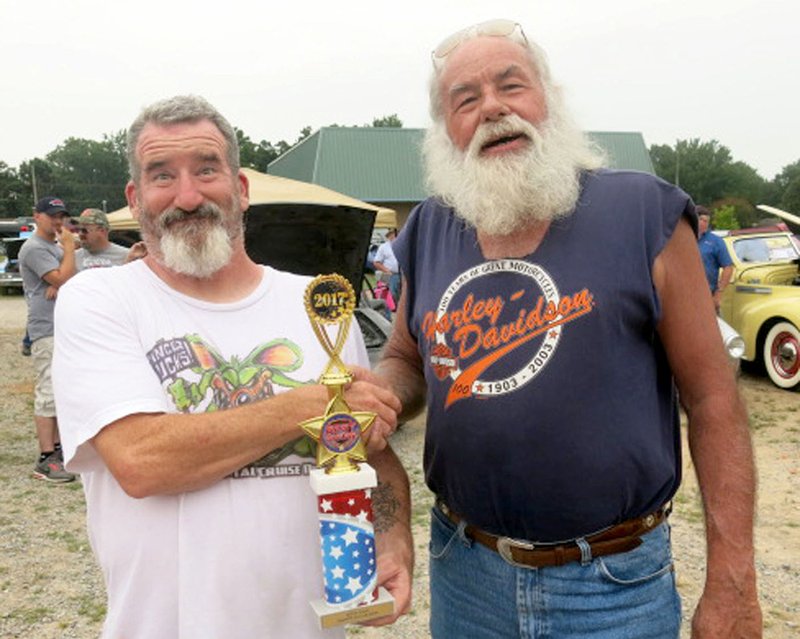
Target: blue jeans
475 594
394 286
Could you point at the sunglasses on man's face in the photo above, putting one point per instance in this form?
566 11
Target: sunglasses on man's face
493 28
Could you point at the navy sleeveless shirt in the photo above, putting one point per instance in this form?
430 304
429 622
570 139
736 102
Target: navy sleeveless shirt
552 411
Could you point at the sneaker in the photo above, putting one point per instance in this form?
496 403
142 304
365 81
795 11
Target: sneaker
52 469
26 349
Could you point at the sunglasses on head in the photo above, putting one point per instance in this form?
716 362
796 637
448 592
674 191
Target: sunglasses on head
493 28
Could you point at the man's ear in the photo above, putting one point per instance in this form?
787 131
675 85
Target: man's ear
244 191
133 201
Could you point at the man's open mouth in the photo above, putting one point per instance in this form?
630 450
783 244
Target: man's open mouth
503 140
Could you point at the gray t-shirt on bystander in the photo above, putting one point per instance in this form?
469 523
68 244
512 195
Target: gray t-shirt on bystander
37 257
114 255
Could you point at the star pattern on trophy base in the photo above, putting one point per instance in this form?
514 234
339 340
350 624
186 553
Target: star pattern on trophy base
338 434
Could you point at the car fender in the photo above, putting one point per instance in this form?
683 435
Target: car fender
753 319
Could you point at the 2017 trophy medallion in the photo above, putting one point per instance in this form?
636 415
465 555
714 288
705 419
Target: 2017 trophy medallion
342 481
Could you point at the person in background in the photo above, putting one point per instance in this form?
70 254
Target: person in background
717 262
96 249
183 377
25 347
386 262
552 314
46 262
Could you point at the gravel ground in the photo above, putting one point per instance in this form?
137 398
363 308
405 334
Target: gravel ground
50 587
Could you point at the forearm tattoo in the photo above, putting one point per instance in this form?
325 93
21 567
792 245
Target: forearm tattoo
384 507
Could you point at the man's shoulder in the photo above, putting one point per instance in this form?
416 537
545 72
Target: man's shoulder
639 190
28 245
617 178
432 210
37 248
287 279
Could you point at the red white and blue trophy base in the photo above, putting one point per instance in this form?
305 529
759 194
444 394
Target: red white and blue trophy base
342 481
347 540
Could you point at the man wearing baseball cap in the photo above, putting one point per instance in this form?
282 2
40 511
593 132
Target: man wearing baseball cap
96 251
46 262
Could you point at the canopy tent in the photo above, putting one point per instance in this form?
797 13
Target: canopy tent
271 189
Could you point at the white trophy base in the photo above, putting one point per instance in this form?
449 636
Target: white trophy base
330 617
324 483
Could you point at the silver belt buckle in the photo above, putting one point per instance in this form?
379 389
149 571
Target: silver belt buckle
504 546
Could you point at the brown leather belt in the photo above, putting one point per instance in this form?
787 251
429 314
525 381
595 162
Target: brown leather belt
615 539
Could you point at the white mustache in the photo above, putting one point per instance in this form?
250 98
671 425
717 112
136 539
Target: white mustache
491 131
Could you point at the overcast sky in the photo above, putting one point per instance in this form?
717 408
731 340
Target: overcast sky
672 69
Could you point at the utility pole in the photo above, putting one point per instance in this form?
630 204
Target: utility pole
33 182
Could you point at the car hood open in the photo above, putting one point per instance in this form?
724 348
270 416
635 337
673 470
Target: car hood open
310 239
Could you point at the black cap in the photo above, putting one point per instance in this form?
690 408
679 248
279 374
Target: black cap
51 205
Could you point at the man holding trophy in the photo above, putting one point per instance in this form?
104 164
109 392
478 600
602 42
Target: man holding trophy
182 379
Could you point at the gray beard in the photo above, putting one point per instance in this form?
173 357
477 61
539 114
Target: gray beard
197 259
500 195
197 248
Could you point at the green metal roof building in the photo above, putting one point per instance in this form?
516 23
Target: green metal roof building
383 165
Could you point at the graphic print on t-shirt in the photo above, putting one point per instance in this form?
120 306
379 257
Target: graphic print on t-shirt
198 379
476 326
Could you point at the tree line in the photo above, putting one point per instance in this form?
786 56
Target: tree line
91 173
708 172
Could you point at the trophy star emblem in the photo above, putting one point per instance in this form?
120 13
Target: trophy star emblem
339 439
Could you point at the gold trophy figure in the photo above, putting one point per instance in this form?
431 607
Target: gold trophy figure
342 481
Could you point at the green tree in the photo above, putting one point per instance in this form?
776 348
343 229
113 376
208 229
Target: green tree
665 163
255 156
787 175
37 175
14 194
790 201
745 212
744 182
707 171
780 191
724 218
88 173
391 121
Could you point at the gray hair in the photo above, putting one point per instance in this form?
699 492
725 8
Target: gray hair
178 110
536 56
585 152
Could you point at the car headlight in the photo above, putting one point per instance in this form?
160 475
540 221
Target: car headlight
731 340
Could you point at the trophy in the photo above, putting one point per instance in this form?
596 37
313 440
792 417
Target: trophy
342 481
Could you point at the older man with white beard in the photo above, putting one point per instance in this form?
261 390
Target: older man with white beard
551 311
182 378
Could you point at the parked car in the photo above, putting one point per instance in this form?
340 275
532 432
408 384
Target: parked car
17 227
10 277
762 302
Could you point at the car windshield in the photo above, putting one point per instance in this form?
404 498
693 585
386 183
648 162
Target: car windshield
765 249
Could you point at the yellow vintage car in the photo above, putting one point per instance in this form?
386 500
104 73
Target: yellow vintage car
762 301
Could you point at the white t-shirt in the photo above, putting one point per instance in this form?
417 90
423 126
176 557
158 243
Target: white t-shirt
241 558
385 255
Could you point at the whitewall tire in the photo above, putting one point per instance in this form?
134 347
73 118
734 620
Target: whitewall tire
781 355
